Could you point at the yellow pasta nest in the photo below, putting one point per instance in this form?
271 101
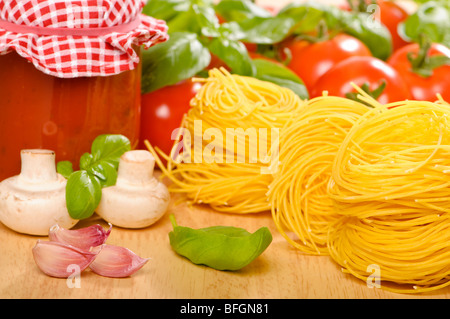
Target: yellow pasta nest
390 184
301 208
229 139
369 186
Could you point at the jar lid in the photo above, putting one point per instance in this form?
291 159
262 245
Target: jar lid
77 38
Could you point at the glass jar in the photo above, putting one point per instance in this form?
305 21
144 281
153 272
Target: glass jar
62 114
69 76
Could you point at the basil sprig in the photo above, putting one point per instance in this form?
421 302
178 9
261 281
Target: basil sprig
98 169
195 34
432 20
284 77
168 63
219 247
361 25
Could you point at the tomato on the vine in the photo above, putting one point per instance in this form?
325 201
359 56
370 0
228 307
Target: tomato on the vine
362 70
162 112
312 60
433 80
388 12
391 15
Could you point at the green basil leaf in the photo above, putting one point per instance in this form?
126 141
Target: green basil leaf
219 247
362 26
234 54
432 20
83 194
86 160
65 168
229 30
372 33
165 9
280 75
110 172
184 22
177 59
239 10
267 30
109 148
206 17
307 15
105 171
98 169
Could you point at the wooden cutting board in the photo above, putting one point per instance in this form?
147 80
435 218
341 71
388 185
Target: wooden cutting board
281 272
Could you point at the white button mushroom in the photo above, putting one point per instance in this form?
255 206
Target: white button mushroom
34 200
138 199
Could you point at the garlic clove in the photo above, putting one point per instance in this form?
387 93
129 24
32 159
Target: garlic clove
117 262
61 260
83 238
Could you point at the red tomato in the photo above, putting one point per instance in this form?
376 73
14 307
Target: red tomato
312 60
162 111
361 70
391 15
251 47
423 88
216 62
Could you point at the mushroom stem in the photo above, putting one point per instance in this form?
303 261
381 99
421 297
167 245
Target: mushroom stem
137 199
136 168
38 169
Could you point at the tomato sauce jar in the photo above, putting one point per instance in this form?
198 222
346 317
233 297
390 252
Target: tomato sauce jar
70 70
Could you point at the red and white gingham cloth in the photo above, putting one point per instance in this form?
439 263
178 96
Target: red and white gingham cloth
69 56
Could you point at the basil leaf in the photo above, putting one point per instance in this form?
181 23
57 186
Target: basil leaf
267 30
86 160
98 169
165 9
109 148
372 33
105 172
432 20
307 15
184 22
234 54
177 59
104 159
239 10
280 75
65 168
360 25
83 194
206 17
219 247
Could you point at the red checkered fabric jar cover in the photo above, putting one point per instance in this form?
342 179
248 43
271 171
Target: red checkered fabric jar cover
78 38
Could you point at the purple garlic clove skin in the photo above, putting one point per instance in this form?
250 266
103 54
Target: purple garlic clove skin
83 238
117 262
59 260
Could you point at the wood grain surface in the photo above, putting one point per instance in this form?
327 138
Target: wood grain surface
281 272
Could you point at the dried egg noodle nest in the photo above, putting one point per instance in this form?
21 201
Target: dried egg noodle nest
368 186
390 184
298 193
230 101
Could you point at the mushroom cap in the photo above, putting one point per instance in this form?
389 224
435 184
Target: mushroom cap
33 212
134 207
